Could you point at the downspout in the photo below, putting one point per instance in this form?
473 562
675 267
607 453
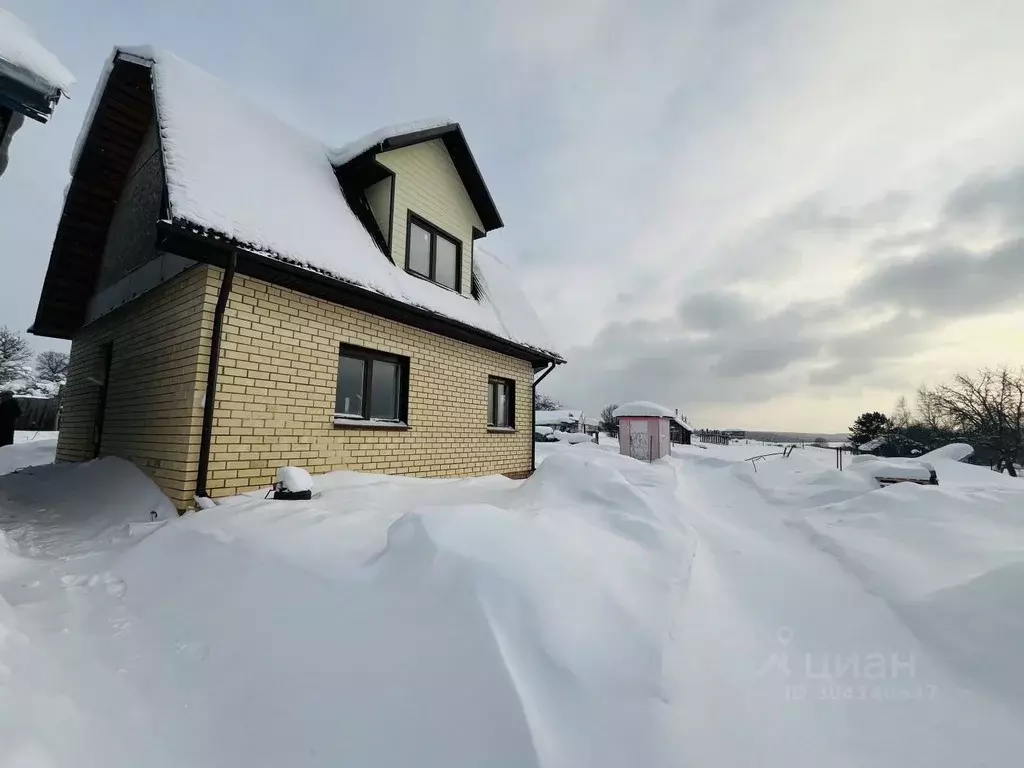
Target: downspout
533 417
211 374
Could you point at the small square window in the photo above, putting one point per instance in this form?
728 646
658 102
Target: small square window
371 385
432 254
501 403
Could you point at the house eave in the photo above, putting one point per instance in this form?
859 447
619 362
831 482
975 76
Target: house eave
211 248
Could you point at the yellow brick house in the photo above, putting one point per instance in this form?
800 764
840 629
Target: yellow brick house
240 297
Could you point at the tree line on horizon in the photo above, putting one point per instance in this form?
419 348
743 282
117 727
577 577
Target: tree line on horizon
985 410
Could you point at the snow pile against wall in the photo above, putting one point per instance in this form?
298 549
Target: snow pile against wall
388 622
63 510
24 59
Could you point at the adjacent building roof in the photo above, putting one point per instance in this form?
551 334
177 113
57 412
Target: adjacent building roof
642 408
31 78
239 175
557 417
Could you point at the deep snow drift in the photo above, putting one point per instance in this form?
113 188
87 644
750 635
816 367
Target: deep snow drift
389 622
606 612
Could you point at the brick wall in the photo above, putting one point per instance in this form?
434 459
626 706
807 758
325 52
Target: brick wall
429 186
276 393
160 344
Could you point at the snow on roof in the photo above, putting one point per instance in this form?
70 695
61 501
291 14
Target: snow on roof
646 408
239 171
873 445
341 155
557 417
24 59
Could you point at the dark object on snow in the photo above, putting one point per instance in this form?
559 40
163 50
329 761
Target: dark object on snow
9 413
283 495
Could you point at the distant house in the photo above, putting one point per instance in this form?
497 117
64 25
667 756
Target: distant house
255 299
646 429
571 420
32 80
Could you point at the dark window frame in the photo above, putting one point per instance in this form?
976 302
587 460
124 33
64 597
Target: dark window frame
434 232
493 382
368 356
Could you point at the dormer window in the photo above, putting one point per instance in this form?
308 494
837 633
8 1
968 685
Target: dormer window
433 254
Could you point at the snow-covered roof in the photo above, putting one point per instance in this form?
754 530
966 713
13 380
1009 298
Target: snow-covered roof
238 171
342 154
557 417
646 408
873 445
24 59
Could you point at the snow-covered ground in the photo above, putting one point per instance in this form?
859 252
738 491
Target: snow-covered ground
605 612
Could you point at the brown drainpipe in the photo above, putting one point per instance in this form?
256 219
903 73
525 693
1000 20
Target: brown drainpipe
206 436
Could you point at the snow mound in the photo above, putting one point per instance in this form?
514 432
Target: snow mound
952 452
68 509
398 622
23 58
892 469
27 454
949 561
572 437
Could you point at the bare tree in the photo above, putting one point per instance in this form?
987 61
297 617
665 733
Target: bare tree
609 424
987 409
52 366
900 418
930 414
14 353
545 403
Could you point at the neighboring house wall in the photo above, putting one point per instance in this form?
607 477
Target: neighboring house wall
160 347
429 186
278 380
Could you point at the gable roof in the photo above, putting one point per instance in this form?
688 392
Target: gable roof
31 78
240 177
642 408
407 134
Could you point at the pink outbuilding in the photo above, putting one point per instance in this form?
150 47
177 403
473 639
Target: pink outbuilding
646 430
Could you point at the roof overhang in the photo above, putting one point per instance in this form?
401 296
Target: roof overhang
123 114
458 148
31 102
209 248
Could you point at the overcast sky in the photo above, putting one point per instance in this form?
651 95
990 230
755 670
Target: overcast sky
769 214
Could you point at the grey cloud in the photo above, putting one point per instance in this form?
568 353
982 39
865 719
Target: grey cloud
713 311
765 356
912 238
992 195
777 243
948 282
